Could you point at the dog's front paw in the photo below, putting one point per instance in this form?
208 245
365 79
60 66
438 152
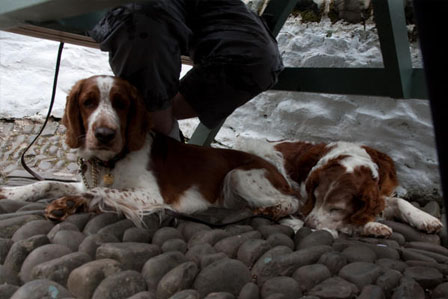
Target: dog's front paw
2 193
376 229
428 223
65 206
7 193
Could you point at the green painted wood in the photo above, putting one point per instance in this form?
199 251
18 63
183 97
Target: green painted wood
355 81
277 12
393 35
204 136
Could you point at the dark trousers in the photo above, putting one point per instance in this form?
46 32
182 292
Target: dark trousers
235 56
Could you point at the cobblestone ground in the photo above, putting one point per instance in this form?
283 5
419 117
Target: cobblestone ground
107 256
49 156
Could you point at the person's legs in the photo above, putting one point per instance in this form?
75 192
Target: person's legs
145 43
235 57
181 108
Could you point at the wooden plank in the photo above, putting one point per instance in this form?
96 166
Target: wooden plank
16 12
277 12
55 35
393 35
356 81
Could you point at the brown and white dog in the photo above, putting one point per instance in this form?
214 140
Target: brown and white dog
344 187
128 168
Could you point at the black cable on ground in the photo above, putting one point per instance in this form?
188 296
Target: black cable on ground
50 108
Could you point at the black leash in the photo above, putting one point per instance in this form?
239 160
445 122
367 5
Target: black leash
53 95
229 217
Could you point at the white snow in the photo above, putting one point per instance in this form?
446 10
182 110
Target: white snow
400 128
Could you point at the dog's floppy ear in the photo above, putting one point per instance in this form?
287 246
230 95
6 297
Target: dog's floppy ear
311 184
139 122
368 204
72 117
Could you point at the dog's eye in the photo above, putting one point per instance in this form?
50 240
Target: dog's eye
336 210
119 103
89 103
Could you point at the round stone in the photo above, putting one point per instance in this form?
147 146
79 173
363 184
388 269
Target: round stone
210 237
225 275
219 295
131 255
179 278
359 253
408 288
79 219
7 290
334 261
20 250
427 277
60 227
165 233
120 285
5 245
360 273
9 226
117 229
70 238
188 229
316 238
156 267
59 269
195 253
211 258
389 280
391 264
8 277
371 292
310 275
231 244
174 245
286 286
334 287
144 295
285 264
249 291
40 255
267 230
91 243
251 250
98 222
278 239
83 280
137 234
41 288
441 291
186 294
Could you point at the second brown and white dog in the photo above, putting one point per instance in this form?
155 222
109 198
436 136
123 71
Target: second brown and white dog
344 187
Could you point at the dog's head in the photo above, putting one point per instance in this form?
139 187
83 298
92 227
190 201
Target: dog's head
339 200
346 191
104 116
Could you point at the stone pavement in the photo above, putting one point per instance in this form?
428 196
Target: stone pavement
50 157
106 256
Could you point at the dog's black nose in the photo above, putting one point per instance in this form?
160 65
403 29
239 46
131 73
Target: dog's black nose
104 135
